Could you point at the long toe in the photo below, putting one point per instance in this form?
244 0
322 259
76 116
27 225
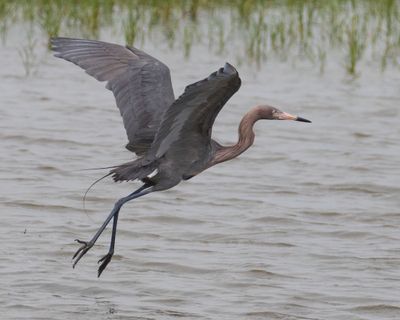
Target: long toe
104 262
86 246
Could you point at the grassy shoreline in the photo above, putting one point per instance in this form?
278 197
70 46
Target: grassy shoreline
285 30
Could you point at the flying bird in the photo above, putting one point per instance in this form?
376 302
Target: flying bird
170 137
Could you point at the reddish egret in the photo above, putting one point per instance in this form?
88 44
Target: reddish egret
171 137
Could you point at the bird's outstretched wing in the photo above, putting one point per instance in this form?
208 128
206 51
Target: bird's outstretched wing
141 84
191 117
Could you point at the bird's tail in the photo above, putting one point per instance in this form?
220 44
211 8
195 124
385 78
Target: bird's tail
133 170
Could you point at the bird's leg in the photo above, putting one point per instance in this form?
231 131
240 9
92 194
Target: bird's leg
105 260
86 246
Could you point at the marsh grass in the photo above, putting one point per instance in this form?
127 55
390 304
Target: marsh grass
257 30
356 44
27 54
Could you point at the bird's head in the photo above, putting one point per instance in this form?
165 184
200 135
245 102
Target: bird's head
272 113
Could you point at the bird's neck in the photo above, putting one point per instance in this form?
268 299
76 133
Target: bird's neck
246 138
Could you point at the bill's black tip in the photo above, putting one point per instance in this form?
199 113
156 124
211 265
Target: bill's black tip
302 119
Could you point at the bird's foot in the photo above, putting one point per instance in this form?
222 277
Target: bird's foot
86 246
104 262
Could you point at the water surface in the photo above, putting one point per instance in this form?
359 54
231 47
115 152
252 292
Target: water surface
305 225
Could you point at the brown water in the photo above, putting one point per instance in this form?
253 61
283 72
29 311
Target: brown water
305 225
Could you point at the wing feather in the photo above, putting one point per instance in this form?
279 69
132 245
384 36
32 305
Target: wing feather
141 84
191 117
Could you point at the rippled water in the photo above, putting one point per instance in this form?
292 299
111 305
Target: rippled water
305 225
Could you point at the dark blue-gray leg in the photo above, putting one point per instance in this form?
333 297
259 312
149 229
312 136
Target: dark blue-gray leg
107 258
86 246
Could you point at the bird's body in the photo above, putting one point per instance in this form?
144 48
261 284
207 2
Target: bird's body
182 146
171 138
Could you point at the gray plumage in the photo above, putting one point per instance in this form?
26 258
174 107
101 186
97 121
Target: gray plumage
172 138
160 130
182 146
141 84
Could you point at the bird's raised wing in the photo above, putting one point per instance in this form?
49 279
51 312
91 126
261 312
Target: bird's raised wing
141 84
191 117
